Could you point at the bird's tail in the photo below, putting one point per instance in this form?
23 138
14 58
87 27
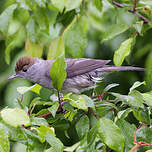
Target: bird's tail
120 68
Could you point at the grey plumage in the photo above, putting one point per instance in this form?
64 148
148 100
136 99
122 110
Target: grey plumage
82 74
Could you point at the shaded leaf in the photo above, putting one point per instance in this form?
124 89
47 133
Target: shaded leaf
110 134
82 126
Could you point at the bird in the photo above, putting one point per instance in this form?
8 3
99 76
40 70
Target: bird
82 73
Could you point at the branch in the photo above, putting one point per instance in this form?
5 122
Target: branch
132 11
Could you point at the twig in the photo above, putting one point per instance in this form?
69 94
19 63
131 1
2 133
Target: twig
132 11
44 115
93 113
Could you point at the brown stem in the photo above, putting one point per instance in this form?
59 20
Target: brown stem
44 115
93 113
132 11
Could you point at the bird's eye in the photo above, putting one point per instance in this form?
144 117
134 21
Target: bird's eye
25 69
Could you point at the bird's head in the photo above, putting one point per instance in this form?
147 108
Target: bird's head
24 68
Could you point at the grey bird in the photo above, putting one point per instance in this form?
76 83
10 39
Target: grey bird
82 73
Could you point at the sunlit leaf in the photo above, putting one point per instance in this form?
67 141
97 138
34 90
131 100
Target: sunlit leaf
58 68
53 109
15 117
54 142
43 130
35 88
123 51
4 142
137 84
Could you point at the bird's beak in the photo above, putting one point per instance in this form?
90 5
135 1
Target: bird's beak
13 76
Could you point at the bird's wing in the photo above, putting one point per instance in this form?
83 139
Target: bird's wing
83 65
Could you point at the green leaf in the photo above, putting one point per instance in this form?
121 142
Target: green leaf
5 18
124 113
136 85
81 101
110 86
98 4
31 30
35 88
123 51
4 142
68 4
56 48
72 148
135 98
54 142
92 134
82 126
35 121
43 130
110 134
15 117
33 49
58 72
127 131
58 68
75 38
147 97
53 109
15 40
138 26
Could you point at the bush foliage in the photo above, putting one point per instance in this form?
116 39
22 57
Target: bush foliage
54 29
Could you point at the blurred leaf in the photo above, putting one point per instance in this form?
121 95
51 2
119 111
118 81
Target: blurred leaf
35 88
123 51
15 117
41 3
110 134
31 29
68 4
54 142
43 130
149 69
136 85
75 38
17 40
82 126
5 17
138 26
53 109
4 142
33 49
81 101
56 48
98 4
